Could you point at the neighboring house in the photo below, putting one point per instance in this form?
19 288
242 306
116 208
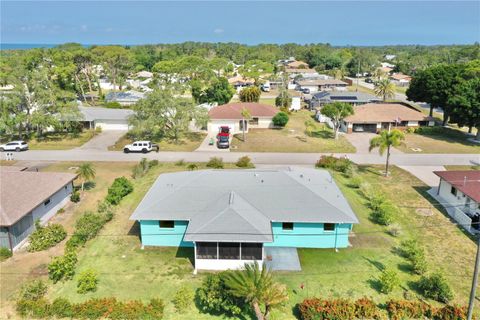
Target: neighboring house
297 65
105 118
322 85
387 65
231 217
386 70
26 197
374 117
126 98
356 98
304 73
459 191
144 74
390 57
400 79
230 115
239 82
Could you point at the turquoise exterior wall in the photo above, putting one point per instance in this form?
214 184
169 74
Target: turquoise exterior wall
153 235
309 235
303 235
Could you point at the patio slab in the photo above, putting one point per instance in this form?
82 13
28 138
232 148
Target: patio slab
282 259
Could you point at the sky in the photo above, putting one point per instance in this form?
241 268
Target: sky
148 22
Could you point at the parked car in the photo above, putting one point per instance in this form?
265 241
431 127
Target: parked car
223 141
369 80
266 87
223 129
14 146
306 90
140 146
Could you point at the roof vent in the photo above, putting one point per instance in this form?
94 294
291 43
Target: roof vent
301 175
255 174
231 198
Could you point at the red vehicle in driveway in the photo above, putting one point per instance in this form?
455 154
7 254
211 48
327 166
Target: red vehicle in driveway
223 137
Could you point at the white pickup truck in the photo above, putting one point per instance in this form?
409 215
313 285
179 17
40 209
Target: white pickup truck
140 146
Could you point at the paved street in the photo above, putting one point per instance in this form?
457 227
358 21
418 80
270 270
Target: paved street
257 157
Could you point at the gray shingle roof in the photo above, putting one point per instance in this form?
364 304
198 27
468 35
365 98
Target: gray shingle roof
98 113
349 96
238 205
127 96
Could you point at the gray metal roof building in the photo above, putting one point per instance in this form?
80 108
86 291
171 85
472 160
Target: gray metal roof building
239 205
325 97
98 113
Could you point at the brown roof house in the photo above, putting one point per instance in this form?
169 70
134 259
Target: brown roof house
297 65
459 192
322 85
375 117
26 197
230 115
400 79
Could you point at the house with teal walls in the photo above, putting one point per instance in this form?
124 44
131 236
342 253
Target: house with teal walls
232 217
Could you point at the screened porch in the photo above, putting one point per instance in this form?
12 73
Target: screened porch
226 255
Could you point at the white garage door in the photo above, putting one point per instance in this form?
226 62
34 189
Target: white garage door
112 125
215 126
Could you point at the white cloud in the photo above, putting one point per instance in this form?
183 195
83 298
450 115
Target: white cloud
84 27
218 30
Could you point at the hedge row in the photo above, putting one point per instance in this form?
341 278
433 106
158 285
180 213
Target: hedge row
364 308
104 308
45 237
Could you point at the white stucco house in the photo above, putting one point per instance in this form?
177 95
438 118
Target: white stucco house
105 118
459 192
230 115
27 196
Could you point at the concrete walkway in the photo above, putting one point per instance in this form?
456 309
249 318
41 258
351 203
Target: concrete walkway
282 259
425 173
103 140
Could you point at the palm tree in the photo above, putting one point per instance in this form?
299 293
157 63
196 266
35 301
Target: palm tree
257 287
384 88
385 141
245 115
86 172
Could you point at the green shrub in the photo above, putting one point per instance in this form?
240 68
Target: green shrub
45 237
244 162
113 105
106 209
215 163
180 163
409 248
409 309
62 267
355 182
88 225
155 308
338 164
87 281
280 119
119 189
5 253
214 297
60 211
250 94
61 308
394 230
383 215
435 287
419 263
388 280
75 197
367 309
33 290
140 169
38 309
183 299
153 163
192 166
338 309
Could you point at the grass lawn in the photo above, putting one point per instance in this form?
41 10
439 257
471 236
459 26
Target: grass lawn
292 138
191 142
440 140
402 90
60 141
127 272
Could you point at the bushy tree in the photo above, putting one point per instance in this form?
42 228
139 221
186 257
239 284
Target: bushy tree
214 297
280 119
250 94
219 91
87 281
465 104
337 111
161 115
388 280
435 287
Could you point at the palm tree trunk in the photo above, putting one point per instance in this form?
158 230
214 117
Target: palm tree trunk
258 312
388 160
243 130
430 114
83 182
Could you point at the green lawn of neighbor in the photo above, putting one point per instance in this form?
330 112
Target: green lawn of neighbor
440 140
60 141
292 138
128 272
190 142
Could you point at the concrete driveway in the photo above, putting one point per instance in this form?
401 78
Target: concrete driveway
103 140
361 141
425 173
206 147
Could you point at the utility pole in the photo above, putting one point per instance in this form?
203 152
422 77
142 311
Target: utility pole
474 282
358 73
